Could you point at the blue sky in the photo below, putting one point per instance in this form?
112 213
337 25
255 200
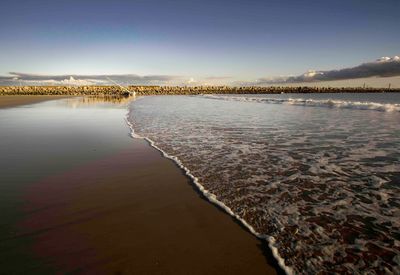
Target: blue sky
243 40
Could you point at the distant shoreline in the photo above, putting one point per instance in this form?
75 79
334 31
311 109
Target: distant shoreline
177 90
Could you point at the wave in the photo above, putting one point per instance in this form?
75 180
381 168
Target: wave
329 103
213 198
313 189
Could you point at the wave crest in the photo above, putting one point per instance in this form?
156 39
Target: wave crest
329 103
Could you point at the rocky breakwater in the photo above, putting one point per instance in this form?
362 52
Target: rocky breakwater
182 90
64 90
174 90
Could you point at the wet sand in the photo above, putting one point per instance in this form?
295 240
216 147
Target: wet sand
128 211
8 101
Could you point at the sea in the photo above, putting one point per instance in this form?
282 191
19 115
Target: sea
316 175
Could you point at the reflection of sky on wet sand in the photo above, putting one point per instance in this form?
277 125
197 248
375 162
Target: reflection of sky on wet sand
43 139
37 138
102 101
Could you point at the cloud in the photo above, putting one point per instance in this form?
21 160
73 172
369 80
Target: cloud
382 67
17 78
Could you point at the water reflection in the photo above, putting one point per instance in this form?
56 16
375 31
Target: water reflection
41 140
98 101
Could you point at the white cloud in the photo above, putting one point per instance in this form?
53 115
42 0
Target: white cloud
16 78
388 59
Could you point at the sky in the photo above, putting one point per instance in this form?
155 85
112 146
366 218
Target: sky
193 42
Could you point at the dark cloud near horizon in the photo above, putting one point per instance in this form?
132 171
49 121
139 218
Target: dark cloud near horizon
383 67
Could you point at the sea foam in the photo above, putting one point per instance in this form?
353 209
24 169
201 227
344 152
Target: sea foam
212 198
330 103
318 185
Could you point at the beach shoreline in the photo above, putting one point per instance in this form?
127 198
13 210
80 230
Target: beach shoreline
133 210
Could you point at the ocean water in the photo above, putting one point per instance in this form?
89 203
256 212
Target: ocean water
318 176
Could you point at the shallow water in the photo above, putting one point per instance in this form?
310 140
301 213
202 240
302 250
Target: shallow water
318 173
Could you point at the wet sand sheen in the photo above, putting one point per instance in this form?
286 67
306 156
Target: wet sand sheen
9 101
119 215
134 211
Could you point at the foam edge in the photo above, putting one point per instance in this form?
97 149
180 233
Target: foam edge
213 199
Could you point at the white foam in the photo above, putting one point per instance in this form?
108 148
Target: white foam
330 103
305 187
213 199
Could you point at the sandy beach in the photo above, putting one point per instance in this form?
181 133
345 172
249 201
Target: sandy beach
115 207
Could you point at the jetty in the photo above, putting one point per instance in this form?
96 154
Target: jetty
118 90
